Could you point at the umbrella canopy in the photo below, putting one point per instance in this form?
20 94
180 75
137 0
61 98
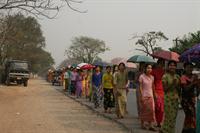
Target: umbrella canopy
87 67
191 55
74 65
141 58
103 64
118 60
82 64
166 55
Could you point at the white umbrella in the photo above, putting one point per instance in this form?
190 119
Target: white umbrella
82 64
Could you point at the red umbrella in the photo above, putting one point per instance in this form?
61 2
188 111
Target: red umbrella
87 67
166 55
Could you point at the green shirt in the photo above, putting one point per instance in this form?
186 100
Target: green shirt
121 79
169 82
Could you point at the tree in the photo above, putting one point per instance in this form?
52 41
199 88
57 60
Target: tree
37 7
24 40
116 60
68 62
24 34
187 41
148 41
41 60
157 49
86 49
5 27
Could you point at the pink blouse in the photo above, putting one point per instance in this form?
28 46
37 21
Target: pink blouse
147 85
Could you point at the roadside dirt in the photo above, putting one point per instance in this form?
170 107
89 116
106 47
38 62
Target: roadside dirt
39 108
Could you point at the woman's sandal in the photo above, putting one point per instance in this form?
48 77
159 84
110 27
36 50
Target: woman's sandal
152 129
144 127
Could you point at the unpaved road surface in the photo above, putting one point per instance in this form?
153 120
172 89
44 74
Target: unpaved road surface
39 108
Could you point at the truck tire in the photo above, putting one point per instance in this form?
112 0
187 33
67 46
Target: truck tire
25 83
8 82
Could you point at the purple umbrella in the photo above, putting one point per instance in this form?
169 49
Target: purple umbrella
191 55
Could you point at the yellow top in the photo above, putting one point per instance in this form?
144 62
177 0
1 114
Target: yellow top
107 81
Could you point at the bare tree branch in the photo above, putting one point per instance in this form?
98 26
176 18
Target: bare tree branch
143 51
69 5
149 40
39 7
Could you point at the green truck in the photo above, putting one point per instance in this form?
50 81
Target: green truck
16 71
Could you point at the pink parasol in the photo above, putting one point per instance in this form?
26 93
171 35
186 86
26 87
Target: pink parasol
166 55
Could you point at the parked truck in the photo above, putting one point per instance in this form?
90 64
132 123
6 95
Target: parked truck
16 71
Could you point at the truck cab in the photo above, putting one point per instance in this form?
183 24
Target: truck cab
17 71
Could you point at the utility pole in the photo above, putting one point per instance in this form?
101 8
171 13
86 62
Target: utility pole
176 41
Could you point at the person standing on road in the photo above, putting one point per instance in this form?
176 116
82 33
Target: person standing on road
115 70
141 71
97 86
147 105
89 84
107 83
66 79
62 74
83 83
121 84
188 85
171 84
158 72
73 81
79 84
69 79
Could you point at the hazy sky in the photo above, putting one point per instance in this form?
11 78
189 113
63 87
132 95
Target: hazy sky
116 21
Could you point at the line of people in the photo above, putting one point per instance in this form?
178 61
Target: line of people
160 92
107 88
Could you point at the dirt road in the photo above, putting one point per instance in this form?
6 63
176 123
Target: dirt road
39 108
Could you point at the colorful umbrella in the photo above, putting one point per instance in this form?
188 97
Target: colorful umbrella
74 65
166 55
141 58
82 64
103 64
191 55
87 67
